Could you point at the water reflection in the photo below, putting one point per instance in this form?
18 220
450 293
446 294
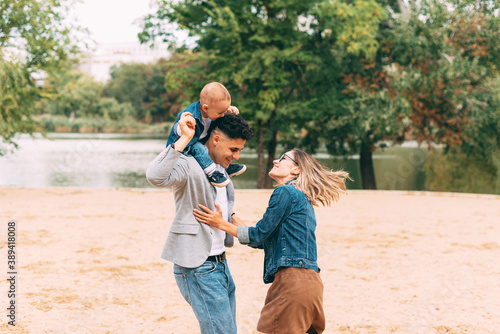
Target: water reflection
129 180
120 161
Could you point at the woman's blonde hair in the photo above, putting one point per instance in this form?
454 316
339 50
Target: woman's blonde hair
317 183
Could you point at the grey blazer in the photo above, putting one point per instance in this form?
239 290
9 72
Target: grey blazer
188 242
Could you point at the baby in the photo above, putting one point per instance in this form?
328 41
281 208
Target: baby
214 102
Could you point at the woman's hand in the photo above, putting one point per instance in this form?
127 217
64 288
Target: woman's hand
209 217
237 221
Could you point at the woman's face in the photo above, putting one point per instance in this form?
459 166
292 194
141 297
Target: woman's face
285 168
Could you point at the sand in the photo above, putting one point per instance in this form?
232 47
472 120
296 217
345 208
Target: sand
88 261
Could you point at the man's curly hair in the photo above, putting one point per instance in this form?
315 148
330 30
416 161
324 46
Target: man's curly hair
232 125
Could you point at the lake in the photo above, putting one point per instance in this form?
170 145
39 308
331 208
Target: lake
120 161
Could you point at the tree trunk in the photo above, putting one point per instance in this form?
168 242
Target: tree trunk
261 173
271 151
366 167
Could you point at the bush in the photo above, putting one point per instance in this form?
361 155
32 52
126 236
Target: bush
75 127
48 125
109 108
459 172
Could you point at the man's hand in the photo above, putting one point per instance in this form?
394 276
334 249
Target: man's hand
232 110
187 125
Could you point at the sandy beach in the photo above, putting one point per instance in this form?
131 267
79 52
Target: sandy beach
88 261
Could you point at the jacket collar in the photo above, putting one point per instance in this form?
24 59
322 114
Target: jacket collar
197 111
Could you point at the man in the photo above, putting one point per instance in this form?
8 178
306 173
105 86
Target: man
196 249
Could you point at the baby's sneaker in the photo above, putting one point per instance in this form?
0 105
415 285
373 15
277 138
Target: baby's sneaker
218 179
235 170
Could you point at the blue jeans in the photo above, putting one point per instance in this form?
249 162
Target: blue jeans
200 153
210 291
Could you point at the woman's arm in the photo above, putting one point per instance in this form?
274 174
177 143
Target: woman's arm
278 209
215 219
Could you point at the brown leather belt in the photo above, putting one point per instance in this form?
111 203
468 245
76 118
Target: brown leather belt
217 258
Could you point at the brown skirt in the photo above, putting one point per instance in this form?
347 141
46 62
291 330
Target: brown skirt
294 303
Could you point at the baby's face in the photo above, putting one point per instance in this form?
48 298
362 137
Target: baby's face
215 110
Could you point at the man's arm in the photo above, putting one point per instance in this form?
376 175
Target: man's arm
187 125
161 172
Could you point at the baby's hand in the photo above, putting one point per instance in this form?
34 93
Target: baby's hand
233 110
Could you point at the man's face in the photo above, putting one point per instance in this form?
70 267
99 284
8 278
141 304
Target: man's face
215 110
223 150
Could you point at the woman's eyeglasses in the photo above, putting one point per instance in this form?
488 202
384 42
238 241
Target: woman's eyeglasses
286 155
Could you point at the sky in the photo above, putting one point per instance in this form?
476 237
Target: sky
111 21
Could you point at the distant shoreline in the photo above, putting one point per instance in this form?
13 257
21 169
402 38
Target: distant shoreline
417 193
63 124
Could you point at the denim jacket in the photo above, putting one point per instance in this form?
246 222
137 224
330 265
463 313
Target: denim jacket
286 232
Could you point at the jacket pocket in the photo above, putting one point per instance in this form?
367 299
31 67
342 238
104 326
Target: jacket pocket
185 228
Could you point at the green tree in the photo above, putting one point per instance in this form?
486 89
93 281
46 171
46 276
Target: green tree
30 45
427 82
446 61
443 55
128 83
363 110
367 114
16 93
474 165
56 96
112 109
75 94
269 54
143 86
78 98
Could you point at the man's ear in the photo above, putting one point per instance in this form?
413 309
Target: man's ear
216 139
204 107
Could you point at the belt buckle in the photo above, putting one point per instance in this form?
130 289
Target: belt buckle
217 258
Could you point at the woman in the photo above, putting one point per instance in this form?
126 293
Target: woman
294 302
